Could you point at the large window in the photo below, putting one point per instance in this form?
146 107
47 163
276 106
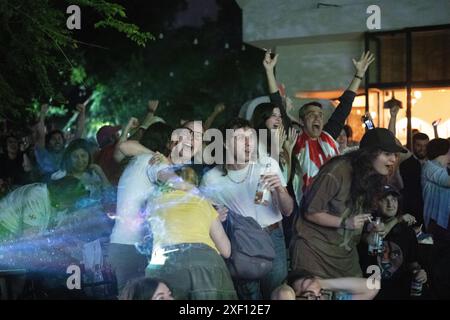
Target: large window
414 66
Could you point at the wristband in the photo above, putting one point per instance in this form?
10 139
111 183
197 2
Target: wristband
360 78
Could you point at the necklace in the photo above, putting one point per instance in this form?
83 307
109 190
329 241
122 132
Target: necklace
249 167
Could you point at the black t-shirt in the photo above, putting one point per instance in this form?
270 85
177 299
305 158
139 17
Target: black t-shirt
410 170
11 170
400 250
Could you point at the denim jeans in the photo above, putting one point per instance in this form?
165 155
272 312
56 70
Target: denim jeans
262 289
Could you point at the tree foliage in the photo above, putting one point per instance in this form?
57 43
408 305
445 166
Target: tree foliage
37 51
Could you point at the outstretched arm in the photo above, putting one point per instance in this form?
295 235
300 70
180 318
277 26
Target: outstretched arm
393 120
361 67
81 121
130 148
356 286
435 125
339 116
218 109
122 150
275 97
149 117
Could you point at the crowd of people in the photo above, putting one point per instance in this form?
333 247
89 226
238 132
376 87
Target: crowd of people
296 209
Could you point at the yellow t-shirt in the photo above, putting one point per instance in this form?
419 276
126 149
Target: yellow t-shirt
181 217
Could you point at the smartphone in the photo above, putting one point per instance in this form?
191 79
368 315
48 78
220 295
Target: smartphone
368 122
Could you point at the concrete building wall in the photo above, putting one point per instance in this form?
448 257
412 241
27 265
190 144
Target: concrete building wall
270 20
316 45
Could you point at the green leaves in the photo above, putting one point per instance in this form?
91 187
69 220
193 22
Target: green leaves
37 51
130 30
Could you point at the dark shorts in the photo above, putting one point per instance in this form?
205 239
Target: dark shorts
127 263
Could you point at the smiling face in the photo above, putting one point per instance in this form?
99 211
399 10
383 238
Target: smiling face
384 162
162 292
79 159
186 142
388 205
313 121
274 121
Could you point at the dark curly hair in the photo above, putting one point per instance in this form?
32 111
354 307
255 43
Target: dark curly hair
139 289
367 183
263 112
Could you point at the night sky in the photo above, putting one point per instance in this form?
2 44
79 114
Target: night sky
196 11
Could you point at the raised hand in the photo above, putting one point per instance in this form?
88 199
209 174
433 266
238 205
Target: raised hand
291 140
152 105
435 123
81 108
133 123
281 137
363 63
394 111
269 62
220 107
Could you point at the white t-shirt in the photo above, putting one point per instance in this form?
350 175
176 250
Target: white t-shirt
240 197
133 190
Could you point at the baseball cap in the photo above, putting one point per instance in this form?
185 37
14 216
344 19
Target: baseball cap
105 134
381 138
388 189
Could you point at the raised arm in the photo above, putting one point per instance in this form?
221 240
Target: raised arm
269 64
148 120
356 286
435 126
218 109
361 67
339 116
40 127
81 121
129 148
393 120
123 150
